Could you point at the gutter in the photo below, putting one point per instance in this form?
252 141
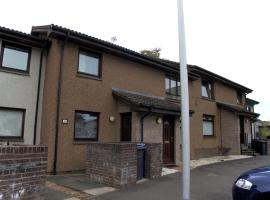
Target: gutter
103 45
60 77
142 120
204 72
38 94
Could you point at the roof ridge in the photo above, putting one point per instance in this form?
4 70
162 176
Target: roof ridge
13 30
166 64
61 28
15 33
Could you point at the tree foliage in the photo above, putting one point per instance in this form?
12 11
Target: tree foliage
264 132
155 52
113 39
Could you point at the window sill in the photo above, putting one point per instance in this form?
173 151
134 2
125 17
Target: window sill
173 98
4 139
81 75
13 71
209 136
208 99
84 142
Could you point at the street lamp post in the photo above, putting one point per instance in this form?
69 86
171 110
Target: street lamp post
184 104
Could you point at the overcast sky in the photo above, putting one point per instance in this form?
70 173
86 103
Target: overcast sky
228 37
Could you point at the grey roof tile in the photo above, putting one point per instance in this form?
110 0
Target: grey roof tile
145 100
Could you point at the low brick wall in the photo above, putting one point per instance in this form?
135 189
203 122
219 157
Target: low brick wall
22 172
115 164
153 160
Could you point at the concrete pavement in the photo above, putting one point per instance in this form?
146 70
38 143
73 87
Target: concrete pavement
212 182
55 195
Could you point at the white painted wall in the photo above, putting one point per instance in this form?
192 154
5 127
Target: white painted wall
20 91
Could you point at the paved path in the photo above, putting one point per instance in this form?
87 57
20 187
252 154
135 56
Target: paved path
55 195
212 182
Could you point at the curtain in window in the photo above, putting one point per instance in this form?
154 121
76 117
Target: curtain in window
208 128
11 123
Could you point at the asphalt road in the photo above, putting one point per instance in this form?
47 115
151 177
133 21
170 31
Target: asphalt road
212 182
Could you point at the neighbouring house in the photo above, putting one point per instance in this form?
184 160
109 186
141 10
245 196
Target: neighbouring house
22 63
250 123
96 91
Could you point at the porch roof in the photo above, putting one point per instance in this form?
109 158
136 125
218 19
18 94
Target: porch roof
240 110
141 101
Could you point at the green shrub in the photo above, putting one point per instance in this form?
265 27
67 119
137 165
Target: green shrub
264 132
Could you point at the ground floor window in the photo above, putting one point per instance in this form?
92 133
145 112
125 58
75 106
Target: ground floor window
208 125
86 125
11 122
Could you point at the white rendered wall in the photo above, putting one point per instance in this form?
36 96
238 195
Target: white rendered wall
20 91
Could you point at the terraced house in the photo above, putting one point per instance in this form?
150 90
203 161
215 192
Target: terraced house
22 63
96 91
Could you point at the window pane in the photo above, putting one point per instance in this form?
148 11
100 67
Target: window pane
167 85
208 128
85 126
15 59
89 64
11 123
204 91
173 87
239 97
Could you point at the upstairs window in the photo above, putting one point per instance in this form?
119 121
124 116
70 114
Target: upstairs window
239 97
249 108
172 86
207 89
208 125
15 57
89 63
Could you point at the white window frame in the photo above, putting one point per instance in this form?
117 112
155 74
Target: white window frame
208 119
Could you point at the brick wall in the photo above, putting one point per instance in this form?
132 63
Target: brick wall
22 172
230 131
153 160
113 164
153 132
205 152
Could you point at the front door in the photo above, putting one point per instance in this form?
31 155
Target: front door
168 140
126 127
242 130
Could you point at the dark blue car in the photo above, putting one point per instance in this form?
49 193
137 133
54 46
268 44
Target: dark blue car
253 185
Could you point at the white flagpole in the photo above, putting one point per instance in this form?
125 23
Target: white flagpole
184 105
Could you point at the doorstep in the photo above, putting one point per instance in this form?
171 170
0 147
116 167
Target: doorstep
170 170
